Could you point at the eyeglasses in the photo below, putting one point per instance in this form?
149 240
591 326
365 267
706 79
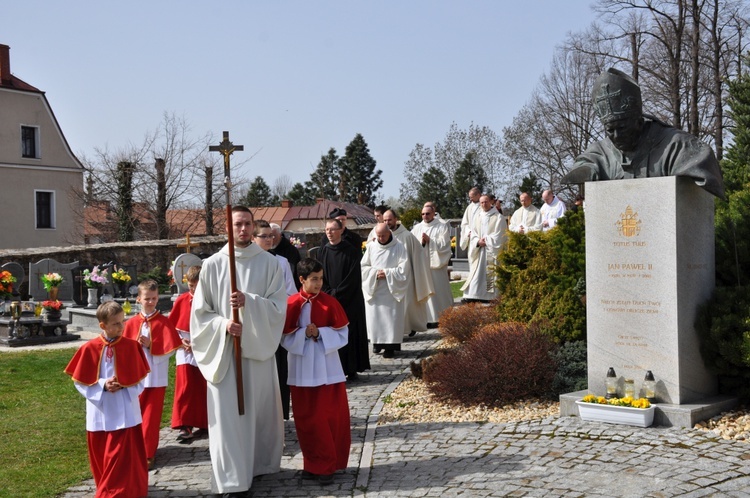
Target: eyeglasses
264 236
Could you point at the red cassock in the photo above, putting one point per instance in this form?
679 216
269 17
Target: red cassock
117 458
164 340
321 413
190 407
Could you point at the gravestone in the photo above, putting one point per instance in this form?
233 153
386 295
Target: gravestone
47 265
16 270
649 266
181 265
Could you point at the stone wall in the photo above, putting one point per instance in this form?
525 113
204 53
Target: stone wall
145 254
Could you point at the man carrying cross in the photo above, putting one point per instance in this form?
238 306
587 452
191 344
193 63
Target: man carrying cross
246 436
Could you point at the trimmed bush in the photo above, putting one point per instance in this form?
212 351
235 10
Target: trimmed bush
458 324
503 362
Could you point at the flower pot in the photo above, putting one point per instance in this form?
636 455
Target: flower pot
53 293
52 315
93 301
594 412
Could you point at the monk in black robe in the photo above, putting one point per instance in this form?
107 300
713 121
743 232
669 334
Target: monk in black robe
342 279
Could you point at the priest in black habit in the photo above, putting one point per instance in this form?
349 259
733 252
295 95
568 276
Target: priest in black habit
348 235
342 279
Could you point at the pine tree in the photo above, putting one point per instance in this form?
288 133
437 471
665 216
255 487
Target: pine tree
324 180
359 180
259 194
431 186
735 166
301 195
732 215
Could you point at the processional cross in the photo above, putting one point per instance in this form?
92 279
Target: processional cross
226 148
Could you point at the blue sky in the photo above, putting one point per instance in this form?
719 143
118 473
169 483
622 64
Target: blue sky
288 79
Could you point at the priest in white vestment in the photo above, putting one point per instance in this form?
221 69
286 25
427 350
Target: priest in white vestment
471 210
241 447
435 241
420 283
385 281
488 237
552 209
527 218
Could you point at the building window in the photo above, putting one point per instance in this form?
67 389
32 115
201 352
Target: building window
29 141
45 209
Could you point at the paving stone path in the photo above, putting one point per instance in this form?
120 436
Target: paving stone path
550 457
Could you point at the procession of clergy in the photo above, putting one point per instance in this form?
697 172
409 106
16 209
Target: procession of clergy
399 286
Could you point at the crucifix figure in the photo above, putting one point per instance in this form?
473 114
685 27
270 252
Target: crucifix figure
226 148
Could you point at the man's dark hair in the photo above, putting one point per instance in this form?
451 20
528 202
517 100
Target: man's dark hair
381 209
335 221
243 209
307 266
260 224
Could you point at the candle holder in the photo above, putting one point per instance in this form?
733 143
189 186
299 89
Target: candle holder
15 313
611 382
649 387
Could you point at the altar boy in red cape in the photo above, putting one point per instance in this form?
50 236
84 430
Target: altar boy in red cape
316 327
190 406
109 371
159 340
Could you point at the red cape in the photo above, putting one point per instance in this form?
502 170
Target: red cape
164 337
181 309
131 365
326 311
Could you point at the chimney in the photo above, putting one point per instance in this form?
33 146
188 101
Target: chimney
287 203
4 65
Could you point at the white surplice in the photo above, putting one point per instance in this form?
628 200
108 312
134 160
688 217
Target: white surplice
471 210
249 445
420 283
527 217
490 226
551 212
385 309
438 253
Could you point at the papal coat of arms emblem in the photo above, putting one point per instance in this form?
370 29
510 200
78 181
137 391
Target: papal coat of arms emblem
629 225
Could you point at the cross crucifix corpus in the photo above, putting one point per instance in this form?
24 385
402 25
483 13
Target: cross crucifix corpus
225 148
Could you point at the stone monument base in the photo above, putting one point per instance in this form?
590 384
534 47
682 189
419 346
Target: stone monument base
667 414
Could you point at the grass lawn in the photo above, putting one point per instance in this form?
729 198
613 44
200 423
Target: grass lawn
456 289
43 424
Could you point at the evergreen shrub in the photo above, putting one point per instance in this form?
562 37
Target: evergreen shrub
156 274
458 324
723 326
541 278
503 362
572 369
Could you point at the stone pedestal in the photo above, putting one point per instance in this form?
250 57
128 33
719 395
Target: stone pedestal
649 265
33 331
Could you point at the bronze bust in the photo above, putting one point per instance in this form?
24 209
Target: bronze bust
638 145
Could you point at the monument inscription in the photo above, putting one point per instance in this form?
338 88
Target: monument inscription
649 265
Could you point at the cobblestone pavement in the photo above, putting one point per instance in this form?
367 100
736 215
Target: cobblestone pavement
550 457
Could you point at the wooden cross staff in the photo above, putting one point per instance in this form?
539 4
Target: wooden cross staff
225 148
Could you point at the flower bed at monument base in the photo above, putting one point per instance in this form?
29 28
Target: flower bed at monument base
611 414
